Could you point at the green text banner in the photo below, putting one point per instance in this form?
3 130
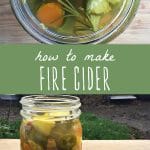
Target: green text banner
74 69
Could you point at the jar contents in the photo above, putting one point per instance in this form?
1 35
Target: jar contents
75 17
42 133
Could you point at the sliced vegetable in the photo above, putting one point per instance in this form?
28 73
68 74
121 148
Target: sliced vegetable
42 124
98 7
51 14
95 10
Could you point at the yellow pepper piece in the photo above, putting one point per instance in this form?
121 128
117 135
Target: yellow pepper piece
43 124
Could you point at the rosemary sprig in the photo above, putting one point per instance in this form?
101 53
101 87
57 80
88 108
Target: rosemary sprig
71 10
79 13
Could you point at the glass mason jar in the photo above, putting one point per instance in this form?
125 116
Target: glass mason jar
45 35
50 123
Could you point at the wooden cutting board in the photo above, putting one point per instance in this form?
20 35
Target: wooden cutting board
138 31
91 145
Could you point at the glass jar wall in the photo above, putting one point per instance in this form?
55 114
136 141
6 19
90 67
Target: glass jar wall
51 123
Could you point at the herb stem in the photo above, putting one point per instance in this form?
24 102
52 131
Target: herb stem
79 13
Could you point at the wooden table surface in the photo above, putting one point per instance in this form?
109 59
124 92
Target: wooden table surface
137 32
91 145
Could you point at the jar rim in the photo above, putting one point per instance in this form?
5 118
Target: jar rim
58 107
55 99
30 24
